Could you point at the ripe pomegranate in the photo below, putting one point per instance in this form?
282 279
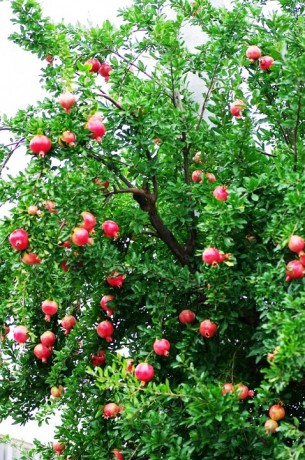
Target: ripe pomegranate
67 100
161 347
207 329
50 205
68 138
250 393
80 236
48 338
211 256
29 258
42 352
266 62
19 239
111 410
221 193
196 157
58 447
67 244
105 70
242 391
197 175
187 316
89 221
110 229
33 210
49 307
117 454
97 128
144 372
296 243
104 304
64 266
115 279
94 65
105 330
277 412
253 53
210 177
40 145
271 426
227 388
20 334
49 59
98 360
68 322
237 107
129 365
294 270
57 392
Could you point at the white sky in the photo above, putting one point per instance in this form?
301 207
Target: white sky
19 86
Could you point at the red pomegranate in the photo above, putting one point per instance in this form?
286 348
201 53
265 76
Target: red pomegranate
115 279
80 236
294 270
50 205
266 62
296 243
98 360
210 177
227 388
42 352
94 65
237 107
67 100
111 410
48 339
105 330
187 316
104 304
58 447
161 347
68 138
68 322
89 221
20 334
105 70
207 329
97 128
29 258
144 372
221 193
49 307
197 176
19 239
110 229
211 256
277 412
117 454
253 53
40 145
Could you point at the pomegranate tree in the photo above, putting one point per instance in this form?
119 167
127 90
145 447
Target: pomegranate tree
19 239
40 145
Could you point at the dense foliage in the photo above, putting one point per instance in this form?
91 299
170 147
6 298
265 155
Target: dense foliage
140 176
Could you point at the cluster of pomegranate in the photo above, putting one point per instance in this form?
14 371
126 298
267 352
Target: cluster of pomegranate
265 62
220 193
102 68
241 391
276 413
296 268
